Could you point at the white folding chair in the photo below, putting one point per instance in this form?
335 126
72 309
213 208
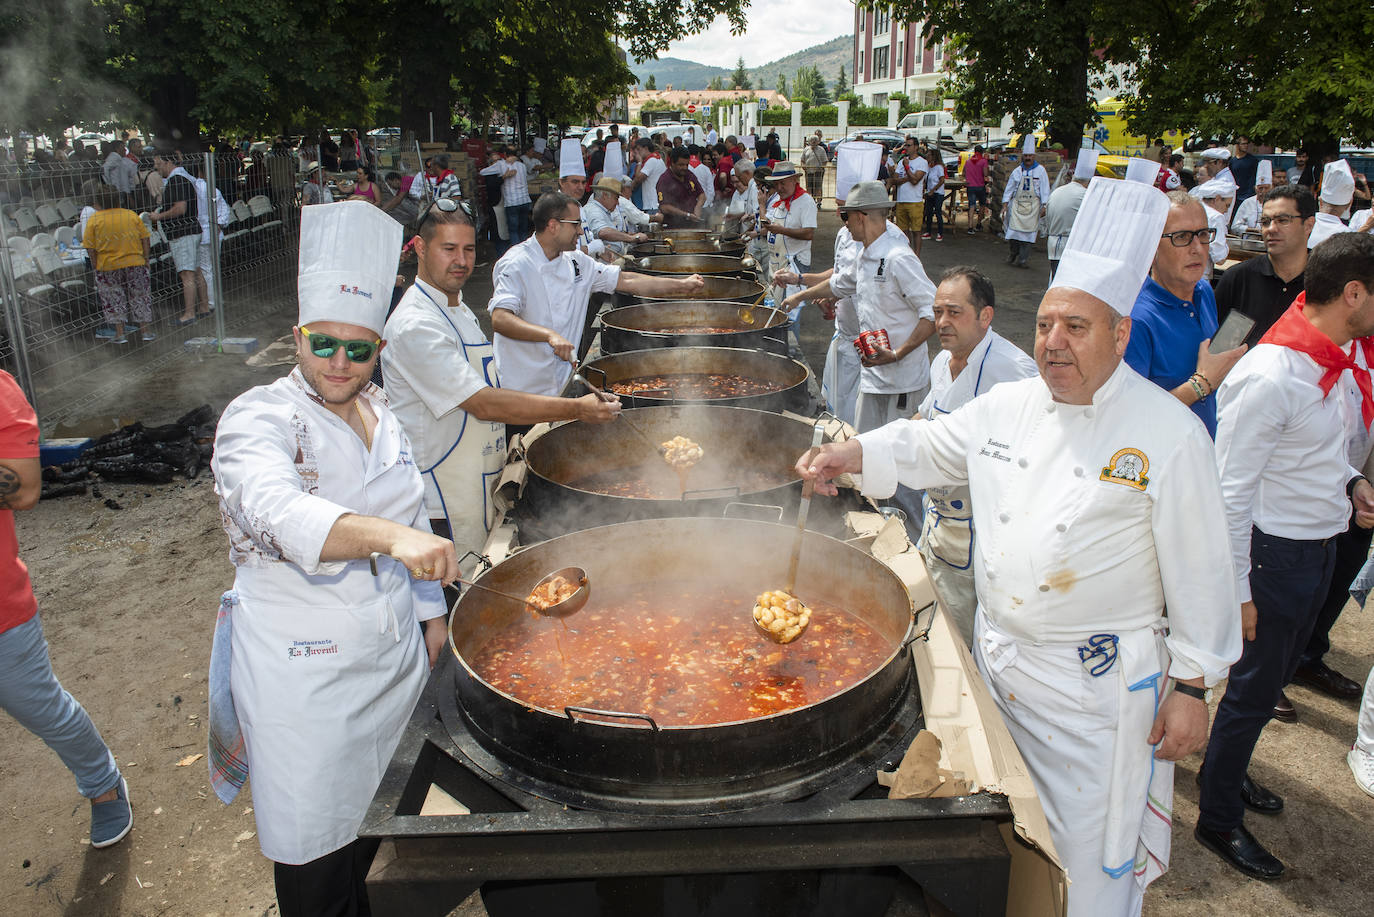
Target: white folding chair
47 215
26 221
69 210
65 236
20 246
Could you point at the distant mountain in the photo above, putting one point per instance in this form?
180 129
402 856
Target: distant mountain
686 74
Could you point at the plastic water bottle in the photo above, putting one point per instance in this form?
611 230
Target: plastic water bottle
768 303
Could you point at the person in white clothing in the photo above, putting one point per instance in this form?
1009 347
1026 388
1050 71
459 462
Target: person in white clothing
1289 489
1217 196
788 222
444 390
651 169
907 177
605 223
1063 207
1023 204
635 218
318 660
744 206
705 174
542 290
973 359
1097 505
1338 190
1247 218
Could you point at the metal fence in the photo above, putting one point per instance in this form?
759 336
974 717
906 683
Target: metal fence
81 337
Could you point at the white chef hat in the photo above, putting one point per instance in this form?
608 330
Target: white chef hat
1216 188
1216 152
570 159
1086 165
1264 173
1028 145
1142 170
614 165
1113 241
349 253
1338 184
856 161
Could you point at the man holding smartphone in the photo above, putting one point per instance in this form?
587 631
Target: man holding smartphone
1174 317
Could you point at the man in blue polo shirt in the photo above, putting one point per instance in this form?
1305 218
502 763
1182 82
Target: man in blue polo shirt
1175 315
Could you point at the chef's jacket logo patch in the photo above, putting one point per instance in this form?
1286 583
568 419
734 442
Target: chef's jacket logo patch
1129 467
880 276
300 649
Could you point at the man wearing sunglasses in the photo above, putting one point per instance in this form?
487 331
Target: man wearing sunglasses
543 289
1175 316
443 387
318 654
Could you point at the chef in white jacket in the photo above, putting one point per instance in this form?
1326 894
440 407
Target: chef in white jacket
972 359
314 475
1024 202
1217 196
1248 212
1097 505
1338 190
443 387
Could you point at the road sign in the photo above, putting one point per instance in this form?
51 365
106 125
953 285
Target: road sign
691 108
706 109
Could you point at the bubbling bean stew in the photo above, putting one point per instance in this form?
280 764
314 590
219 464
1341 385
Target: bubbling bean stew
697 386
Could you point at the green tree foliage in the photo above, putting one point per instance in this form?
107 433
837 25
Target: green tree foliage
739 79
841 84
782 84
651 83
809 86
46 68
1036 60
717 84
1288 74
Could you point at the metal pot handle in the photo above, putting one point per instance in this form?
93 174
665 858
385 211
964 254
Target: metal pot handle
920 634
613 714
725 513
710 493
782 341
482 559
587 370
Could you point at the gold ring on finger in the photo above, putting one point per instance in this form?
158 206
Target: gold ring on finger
417 573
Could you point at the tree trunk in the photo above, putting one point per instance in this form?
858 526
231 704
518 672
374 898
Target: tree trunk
173 127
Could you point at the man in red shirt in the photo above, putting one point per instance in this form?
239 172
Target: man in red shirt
976 182
29 691
680 195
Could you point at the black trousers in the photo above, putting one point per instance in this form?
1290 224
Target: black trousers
1020 251
1288 582
331 886
1352 548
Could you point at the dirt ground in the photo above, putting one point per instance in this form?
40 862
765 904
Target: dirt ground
128 583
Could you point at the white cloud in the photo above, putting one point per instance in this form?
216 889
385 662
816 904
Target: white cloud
776 29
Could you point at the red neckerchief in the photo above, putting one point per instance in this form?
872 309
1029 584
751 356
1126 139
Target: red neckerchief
1294 331
693 161
787 204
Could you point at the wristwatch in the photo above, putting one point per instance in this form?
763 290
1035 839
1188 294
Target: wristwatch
1202 694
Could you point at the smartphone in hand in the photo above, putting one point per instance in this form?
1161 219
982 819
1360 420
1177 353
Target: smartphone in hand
1232 332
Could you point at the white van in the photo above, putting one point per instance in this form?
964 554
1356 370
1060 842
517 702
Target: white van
934 126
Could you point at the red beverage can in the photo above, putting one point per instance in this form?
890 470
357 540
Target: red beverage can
881 340
861 345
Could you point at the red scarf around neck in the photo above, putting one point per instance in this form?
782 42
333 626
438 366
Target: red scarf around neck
1294 331
786 203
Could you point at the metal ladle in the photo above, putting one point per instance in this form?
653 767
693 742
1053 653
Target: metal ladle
572 604
746 314
808 488
577 374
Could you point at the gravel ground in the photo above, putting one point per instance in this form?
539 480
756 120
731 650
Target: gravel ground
128 598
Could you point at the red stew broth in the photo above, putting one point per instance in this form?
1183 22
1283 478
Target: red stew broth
698 386
684 654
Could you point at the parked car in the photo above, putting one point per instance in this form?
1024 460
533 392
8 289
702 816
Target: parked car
939 125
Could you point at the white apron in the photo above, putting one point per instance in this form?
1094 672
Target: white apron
1024 213
466 474
323 690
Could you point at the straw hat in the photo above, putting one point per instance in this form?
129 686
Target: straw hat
784 169
608 184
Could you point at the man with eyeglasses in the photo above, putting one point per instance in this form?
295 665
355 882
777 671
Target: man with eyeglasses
318 655
542 290
1175 315
1266 285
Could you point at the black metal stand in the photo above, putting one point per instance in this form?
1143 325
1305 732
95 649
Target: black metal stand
843 843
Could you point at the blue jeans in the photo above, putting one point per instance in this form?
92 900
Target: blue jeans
1288 583
30 692
518 221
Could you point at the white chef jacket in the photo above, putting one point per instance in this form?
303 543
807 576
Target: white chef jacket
552 293
1247 215
707 178
1281 452
908 193
1090 518
891 291
632 214
801 215
428 377
327 663
1037 180
1325 226
1219 249
1059 217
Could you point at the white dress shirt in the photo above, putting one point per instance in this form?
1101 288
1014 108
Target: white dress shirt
427 375
632 214
552 293
1325 226
1281 451
890 291
1090 518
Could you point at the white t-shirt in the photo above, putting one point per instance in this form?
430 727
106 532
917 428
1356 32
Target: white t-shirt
652 169
801 215
551 293
935 178
907 193
707 179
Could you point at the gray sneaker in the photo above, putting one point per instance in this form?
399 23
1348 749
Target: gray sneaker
111 821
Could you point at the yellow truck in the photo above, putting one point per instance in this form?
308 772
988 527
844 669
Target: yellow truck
1111 132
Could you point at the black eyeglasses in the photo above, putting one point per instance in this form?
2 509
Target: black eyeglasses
324 346
1283 219
446 204
1184 237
